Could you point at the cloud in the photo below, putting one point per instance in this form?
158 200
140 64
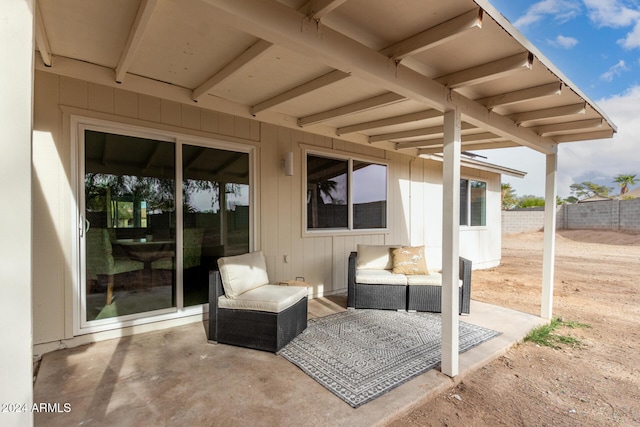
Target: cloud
632 40
561 11
607 157
563 42
611 13
614 71
617 14
597 161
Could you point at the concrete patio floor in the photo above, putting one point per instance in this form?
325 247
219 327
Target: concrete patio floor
175 377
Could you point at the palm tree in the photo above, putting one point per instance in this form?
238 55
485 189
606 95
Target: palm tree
624 181
509 199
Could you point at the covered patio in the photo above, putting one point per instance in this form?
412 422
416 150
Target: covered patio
175 376
409 87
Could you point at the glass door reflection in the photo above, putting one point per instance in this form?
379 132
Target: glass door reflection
215 192
130 212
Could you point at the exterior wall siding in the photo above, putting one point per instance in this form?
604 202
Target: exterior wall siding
414 198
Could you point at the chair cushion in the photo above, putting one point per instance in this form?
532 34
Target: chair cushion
431 279
375 257
409 260
242 273
380 277
271 298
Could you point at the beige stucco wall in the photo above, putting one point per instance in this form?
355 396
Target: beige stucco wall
415 194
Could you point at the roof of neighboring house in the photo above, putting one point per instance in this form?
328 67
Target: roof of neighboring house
632 193
369 71
594 199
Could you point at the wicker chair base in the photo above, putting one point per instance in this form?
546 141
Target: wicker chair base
259 330
429 298
381 297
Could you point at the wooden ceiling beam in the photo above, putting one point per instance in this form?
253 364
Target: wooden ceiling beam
318 9
521 95
487 72
145 11
585 136
356 107
481 146
412 133
391 121
241 61
475 137
549 113
42 40
435 36
303 89
568 127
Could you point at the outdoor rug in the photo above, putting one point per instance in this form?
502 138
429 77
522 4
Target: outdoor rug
360 355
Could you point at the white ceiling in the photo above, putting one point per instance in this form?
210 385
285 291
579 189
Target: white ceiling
332 64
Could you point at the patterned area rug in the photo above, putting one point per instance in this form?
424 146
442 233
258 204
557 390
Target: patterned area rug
360 355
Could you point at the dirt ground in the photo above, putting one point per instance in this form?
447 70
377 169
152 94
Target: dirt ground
594 384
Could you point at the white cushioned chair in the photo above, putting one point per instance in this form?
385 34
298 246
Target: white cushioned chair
247 311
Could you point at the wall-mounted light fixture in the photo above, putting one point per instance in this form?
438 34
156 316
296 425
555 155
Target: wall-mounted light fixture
287 163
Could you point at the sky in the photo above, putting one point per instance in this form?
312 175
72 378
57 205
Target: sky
596 45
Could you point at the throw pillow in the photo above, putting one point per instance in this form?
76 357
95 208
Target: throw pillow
409 260
242 273
375 257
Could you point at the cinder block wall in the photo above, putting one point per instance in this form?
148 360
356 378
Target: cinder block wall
605 215
522 221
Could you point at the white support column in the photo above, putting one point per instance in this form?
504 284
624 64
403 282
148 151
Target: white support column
549 236
450 242
16 110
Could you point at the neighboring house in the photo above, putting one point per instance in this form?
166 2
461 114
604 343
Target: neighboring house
594 199
631 194
300 129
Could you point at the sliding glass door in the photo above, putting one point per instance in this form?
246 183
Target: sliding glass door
130 221
147 249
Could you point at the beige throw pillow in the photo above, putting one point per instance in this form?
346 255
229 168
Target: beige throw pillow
375 257
409 260
242 273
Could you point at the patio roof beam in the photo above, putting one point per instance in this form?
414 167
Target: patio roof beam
412 133
275 22
230 162
303 89
522 95
194 158
475 137
252 53
584 136
318 9
436 149
145 11
487 72
152 155
420 42
559 128
397 120
436 35
42 40
549 113
364 105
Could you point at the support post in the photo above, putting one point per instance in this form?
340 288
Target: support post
549 236
16 112
451 242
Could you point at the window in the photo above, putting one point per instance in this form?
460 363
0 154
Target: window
345 194
473 203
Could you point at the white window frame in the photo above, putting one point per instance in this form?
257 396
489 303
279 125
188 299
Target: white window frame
468 203
350 158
